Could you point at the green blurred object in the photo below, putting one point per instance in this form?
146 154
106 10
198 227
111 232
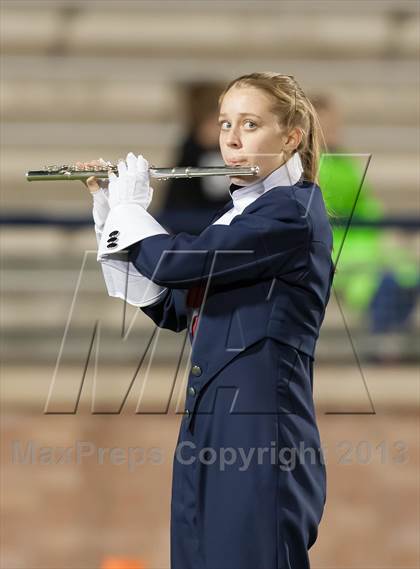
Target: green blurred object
361 254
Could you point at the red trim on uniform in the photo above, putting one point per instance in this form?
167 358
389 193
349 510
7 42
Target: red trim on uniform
194 324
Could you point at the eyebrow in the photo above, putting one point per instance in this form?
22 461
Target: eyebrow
241 114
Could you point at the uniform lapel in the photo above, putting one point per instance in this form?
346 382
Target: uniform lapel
221 211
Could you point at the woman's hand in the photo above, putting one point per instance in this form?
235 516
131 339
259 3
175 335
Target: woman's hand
100 209
94 184
132 183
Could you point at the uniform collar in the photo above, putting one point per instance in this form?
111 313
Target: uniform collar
286 175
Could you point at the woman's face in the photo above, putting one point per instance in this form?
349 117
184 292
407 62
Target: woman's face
250 133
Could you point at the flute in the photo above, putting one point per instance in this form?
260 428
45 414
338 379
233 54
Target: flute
71 172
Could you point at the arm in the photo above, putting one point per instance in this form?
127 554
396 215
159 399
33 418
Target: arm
254 246
271 242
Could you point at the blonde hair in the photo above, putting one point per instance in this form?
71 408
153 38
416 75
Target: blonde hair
293 109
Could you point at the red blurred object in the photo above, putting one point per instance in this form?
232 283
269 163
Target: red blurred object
122 563
194 324
194 299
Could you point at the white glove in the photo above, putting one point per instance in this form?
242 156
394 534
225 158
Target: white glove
122 279
100 210
129 196
132 183
143 193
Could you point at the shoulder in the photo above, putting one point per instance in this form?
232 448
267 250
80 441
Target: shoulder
285 202
304 199
298 209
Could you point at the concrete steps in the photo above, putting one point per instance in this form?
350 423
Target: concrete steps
134 28
81 82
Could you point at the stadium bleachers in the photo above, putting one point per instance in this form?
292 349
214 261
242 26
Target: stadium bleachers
90 79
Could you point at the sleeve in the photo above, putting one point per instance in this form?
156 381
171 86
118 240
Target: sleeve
169 311
124 281
121 278
272 242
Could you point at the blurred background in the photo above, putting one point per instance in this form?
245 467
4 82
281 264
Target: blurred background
83 80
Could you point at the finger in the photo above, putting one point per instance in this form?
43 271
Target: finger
131 163
122 168
142 164
92 184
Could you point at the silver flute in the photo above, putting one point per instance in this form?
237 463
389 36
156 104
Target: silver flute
71 172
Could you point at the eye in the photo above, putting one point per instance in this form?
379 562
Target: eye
251 123
222 124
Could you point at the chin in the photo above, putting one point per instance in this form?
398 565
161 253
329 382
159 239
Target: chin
242 180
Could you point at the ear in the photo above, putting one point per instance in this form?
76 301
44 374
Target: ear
294 138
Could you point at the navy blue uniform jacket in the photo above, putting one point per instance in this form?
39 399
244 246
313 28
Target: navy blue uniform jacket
266 279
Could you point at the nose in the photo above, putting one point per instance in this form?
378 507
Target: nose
233 139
